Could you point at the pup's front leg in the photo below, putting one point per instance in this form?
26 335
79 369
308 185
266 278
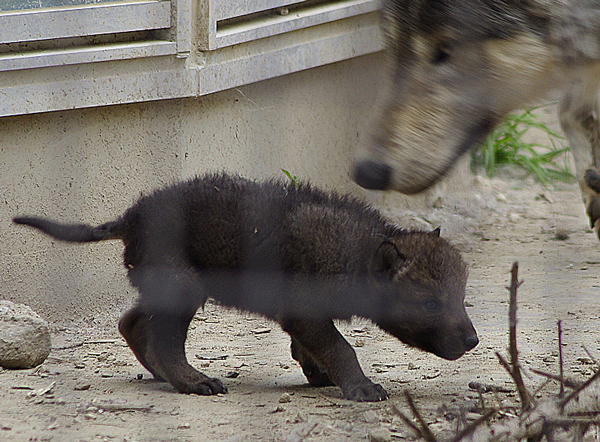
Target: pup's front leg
328 348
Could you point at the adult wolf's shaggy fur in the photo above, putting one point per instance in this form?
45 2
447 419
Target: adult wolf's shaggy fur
294 254
458 66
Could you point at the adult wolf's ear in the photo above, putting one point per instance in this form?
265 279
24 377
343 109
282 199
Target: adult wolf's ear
436 232
540 9
388 260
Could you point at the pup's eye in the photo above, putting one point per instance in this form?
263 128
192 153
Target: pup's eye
441 54
431 305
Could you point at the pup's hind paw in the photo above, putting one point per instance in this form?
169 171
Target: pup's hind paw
366 393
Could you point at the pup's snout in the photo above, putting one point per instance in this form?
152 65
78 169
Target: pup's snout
471 342
372 175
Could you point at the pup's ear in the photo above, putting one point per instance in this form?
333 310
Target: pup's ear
388 260
436 232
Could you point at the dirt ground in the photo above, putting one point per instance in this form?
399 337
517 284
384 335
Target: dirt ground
91 388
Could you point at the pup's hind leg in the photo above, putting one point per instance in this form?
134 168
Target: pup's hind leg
328 348
133 325
579 112
166 356
157 328
316 375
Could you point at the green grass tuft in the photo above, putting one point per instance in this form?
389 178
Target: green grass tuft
293 179
505 146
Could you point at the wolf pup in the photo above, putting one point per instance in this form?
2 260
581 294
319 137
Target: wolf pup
457 67
294 254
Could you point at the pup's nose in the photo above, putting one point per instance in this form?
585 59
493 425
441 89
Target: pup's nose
372 175
471 342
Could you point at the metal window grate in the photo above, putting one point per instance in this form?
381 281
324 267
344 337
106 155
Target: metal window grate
229 23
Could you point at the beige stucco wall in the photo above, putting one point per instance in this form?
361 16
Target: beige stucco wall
89 165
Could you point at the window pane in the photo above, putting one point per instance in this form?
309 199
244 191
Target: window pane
13 5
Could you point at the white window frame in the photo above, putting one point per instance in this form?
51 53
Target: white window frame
189 55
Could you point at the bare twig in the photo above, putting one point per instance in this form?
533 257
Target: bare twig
515 370
561 393
117 407
426 433
569 383
594 360
467 431
578 390
407 421
486 388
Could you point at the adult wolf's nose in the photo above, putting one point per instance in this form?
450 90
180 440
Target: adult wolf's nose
372 175
471 342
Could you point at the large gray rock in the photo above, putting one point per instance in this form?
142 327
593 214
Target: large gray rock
24 336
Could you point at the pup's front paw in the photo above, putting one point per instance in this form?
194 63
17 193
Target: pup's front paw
366 393
205 387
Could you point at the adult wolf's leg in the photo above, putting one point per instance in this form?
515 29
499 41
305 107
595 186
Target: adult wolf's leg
579 112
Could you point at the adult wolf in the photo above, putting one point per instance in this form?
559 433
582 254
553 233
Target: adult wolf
458 66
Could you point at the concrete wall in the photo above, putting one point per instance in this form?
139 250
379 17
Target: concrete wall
90 165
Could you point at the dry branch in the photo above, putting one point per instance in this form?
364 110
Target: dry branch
515 368
425 430
556 419
569 383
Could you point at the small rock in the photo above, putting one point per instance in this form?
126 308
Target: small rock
380 435
82 386
481 182
285 398
514 217
501 198
232 374
221 357
53 426
432 375
301 432
184 426
44 391
24 336
370 417
543 197
561 234
261 331
359 343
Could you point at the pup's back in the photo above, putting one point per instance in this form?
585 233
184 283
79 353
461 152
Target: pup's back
224 222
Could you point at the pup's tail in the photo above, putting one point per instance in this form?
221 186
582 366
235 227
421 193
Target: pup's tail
73 232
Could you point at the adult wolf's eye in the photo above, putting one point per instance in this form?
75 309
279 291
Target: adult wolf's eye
431 305
441 54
